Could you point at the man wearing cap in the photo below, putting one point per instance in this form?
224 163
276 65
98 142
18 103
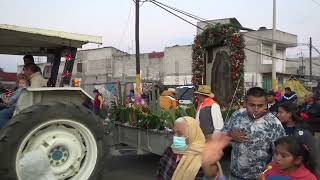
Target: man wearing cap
167 100
208 112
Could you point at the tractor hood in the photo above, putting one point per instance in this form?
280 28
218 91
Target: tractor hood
16 40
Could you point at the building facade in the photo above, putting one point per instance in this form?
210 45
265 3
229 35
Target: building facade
177 64
258 66
258 63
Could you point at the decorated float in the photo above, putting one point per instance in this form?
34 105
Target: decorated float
149 128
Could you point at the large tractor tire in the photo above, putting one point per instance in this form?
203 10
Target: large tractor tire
70 136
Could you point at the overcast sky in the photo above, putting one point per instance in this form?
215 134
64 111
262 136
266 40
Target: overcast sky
114 20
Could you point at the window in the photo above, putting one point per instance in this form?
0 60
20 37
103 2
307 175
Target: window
47 71
266 59
79 67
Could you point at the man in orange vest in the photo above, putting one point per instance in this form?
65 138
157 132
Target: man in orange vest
208 112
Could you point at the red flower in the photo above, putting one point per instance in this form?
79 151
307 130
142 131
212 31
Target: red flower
68 57
304 116
67 74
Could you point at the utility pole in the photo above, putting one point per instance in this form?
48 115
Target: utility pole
303 67
274 49
138 78
310 56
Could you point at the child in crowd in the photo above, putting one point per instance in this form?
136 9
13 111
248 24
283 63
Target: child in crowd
292 161
6 113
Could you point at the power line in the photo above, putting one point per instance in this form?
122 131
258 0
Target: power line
126 26
176 15
194 16
316 49
282 59
316 64
154 2
270 55
316 2
212 23
180 11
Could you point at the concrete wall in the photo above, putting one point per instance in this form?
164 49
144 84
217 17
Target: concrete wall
256 64
177 65
178 80
252 79
259 63
173 68
150 68
112 65
253 60
283 39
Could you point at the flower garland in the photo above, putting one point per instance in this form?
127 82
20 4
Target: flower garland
215 36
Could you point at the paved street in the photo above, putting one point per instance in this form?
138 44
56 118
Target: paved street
124 163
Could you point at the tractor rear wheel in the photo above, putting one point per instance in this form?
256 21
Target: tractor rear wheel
70 136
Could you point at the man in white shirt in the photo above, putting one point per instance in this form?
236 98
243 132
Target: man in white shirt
208 112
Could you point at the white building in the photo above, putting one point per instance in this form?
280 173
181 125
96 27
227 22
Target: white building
258 67
177 64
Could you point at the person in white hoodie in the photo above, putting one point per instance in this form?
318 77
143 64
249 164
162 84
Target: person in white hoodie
35 77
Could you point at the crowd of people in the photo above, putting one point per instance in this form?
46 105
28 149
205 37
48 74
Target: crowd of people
271 138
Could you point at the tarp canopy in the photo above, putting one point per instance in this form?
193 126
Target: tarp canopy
16 40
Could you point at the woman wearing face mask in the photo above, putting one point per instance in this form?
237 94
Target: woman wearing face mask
183 159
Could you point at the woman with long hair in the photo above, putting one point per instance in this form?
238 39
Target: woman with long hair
289 116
